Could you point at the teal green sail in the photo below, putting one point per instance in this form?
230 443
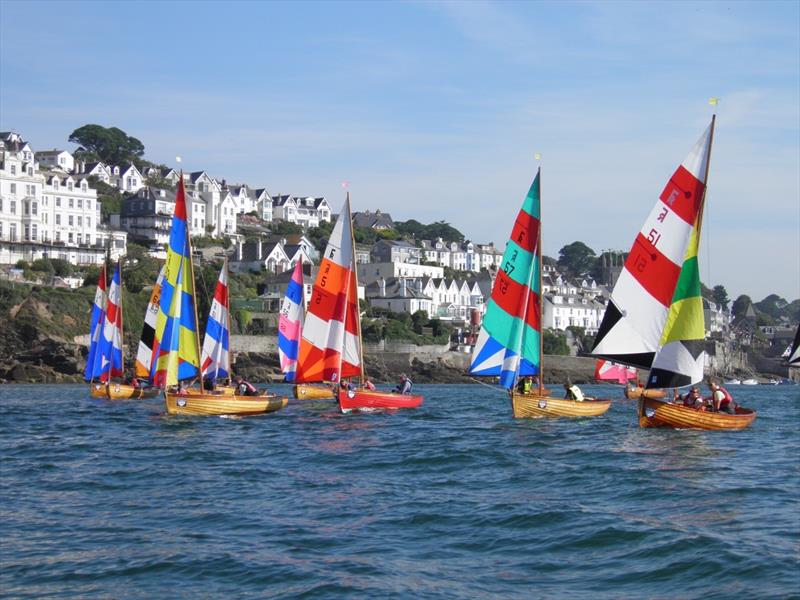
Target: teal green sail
509 341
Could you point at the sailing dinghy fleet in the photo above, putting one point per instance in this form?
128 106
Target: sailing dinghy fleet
653 322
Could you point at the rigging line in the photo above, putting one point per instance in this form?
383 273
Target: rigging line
494 388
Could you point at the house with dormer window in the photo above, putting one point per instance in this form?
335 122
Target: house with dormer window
56 159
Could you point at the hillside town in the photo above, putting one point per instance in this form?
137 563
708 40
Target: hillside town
50 208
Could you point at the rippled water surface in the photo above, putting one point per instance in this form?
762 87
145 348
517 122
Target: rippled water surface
454 500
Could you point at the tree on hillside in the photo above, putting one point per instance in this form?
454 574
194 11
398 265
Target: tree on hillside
720 296
108 144
285 228
740 305
439 229
773 305
319 235
576 259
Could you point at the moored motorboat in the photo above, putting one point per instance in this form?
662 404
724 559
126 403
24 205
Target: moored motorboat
535 406
750 381
197 404
733 381
658 413
307 391
361 399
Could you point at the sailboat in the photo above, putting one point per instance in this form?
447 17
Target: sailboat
107 359
290 330
95 330
510 343
330 345
178 357
793 353
654 319
609 371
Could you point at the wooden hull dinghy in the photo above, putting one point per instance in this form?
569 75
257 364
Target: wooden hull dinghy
360 399
120 391
198 404
657 413
634 393
536 406
305 391
220 390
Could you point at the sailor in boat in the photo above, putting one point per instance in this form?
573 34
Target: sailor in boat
346 385
721 399
692 399
526 384
368 385
244 387
210 384
405 385
573 392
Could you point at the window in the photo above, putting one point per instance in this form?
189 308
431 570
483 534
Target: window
12 207
89 204
55 184
58 202
34 233
84 187
80 221
80 202
27 233
69 186
34 208
88 222
70 238
88 239
13 169
12 232
72 203
69 221
13 189
26 207
30 190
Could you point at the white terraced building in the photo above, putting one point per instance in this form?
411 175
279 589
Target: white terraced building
49 213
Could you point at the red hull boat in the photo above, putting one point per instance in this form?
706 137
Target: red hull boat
373 399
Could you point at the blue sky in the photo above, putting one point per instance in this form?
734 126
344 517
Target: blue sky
435 110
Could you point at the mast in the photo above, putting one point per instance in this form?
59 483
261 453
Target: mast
194 286
358 306
541 296
228 309
705 177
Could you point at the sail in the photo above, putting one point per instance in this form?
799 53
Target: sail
606 370
178 354
98 316
681 354
330 345
633 325
215 359
144 354
793 358
290 323
109 350
509 341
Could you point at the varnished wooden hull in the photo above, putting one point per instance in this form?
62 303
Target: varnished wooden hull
656 413
640 392
224 390
536 406
305 391
120 391
219 404
374 399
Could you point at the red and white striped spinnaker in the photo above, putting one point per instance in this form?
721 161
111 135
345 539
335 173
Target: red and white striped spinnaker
330 345
215 358
635 318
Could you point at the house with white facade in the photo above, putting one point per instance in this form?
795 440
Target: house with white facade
377 220
56 159
48 213
127 179
400 251
369 272
398 295
303 211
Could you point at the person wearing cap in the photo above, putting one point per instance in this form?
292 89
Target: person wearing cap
245 388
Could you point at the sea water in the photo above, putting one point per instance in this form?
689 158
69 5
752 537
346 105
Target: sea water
453 500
